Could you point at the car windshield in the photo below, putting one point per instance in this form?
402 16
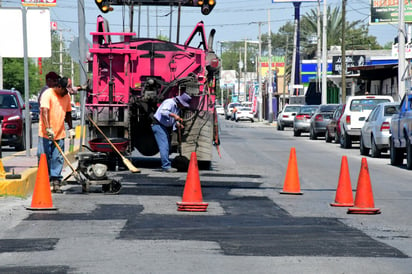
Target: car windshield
292 108
308 109
8 101
34 105
366 104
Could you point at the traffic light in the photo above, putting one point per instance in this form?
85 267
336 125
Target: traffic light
206 5
103 5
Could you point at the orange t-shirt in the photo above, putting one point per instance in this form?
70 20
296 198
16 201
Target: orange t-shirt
58 106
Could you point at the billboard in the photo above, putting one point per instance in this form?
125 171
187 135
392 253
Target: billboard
386 11
38 33
38 3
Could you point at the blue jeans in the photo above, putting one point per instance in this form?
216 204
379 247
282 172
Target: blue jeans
162 136
55 160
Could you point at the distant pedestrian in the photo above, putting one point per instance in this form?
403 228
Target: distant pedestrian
55 109
165 121
52 79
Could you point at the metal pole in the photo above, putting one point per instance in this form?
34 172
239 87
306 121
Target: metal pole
297 59
401 49
26 82
260 76
61 53
324 55
1 67
343 51
245 71
83 72
284 73
318 82
270 89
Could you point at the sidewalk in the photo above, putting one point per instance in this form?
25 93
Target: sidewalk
26 166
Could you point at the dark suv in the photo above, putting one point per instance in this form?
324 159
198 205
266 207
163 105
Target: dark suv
13 124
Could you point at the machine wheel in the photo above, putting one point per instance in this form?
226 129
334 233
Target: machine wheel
375 152
112 188
328 139
363 150
396 154
409 155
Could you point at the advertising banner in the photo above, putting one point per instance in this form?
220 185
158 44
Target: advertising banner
386 11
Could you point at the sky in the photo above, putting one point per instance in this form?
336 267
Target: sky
233 20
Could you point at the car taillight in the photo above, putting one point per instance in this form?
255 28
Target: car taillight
348 119
385 126
319 117
300 117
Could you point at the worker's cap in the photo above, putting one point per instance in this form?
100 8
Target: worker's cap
52 76
184 99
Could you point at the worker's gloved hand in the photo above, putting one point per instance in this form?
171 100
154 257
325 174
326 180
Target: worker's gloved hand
72 133
50 133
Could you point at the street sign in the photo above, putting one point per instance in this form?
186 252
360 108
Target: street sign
39 3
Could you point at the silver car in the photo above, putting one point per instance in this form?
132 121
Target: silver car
301 122
375 132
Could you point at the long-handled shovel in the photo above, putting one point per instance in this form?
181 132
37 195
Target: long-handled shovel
126 161
75 174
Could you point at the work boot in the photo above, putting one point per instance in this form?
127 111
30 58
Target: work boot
56 186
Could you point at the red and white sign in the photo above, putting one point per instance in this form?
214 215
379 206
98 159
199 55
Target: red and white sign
53 25
39 3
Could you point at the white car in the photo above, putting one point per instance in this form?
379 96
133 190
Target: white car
229 110
287 115
356 111
220 110
245 113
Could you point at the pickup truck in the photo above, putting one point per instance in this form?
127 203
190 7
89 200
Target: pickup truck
354 115
401 133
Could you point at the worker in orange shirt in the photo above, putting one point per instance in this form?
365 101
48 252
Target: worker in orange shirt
55 110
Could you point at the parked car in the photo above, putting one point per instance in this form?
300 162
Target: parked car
301 121
320 119
229 110
354 116
375 132
220 110
245 113
14 125
34 111
286 116
401 133
333 127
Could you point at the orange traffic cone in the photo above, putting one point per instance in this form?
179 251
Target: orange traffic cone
344 195
192 199
42 198
291 184
364 197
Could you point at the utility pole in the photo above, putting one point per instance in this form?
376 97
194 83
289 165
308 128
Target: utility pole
245 70
82 61
61 53
401 50
324 55
1 66
343 73
270 88
318 82
284 73
260 76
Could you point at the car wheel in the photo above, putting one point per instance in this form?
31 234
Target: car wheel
252 120
22 145
280 127
328 139
345 140
296 132
375 152
363 150
312 134
396 156
409 155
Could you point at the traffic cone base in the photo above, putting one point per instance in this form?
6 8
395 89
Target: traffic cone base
291 184
192 199
42 198
344 195
364 203
356 210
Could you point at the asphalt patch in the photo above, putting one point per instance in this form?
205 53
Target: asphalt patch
27 245
52 269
